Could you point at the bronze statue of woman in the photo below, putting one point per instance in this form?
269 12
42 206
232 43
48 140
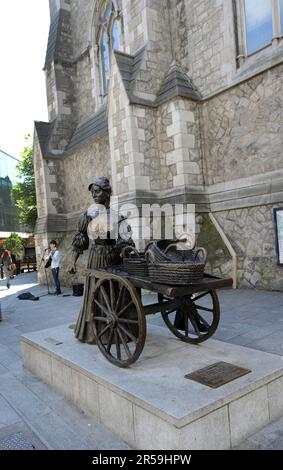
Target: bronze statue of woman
96 231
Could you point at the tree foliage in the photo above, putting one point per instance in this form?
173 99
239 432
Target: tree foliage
24 191
15 244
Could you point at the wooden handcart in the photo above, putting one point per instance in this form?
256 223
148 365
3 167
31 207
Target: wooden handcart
191 312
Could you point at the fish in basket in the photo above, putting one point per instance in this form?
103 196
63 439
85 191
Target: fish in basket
168 264
134 262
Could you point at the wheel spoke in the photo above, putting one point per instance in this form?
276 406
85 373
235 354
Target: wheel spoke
186 321
170 311
129 334
124 309
118 348
102 307
103 319
204 308
125 320
200 296
101 333
194 323
112 295
124 343
202 320
119 298
110 341
106 298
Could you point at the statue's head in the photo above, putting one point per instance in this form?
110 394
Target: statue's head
101 191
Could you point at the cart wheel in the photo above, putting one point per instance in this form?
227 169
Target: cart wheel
118 320
196 319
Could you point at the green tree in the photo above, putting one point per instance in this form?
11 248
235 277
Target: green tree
15 244
24 191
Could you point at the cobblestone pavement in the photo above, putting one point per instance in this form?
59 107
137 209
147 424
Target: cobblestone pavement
33 415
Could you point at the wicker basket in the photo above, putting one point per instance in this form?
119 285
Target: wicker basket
184 270
134 262
168 251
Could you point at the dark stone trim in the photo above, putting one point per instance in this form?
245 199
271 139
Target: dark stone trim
91 129
177 83
129 67
216 202
53 39
44 131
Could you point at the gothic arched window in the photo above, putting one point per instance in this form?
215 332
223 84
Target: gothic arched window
110 37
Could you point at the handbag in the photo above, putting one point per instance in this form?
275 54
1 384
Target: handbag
48 263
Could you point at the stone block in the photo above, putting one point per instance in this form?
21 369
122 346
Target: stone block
142 183
139 112
176 156
275 398
141 134
211 432
129 171
184 141
178 127
179 180
187 116
248 415
85 394
62 378
39 363
117 412
152 432
189 168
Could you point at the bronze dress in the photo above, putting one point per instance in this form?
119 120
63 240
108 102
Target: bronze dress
103 252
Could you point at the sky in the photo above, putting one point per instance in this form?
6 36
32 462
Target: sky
258 10
24 26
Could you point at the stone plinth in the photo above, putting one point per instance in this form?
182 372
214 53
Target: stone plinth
151 405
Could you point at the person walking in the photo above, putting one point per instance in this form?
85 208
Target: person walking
6 261
55 265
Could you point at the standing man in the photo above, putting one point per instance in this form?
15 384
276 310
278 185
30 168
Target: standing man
55 265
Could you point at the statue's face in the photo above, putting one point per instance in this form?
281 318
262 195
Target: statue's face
99 196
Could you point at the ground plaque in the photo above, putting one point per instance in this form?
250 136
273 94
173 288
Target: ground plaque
53 341
217 374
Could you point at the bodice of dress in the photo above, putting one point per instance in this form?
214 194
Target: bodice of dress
97 225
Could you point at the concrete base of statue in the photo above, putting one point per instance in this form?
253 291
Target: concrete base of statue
151 405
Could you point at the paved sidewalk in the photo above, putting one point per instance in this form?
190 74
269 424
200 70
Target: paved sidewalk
32 415
36 416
